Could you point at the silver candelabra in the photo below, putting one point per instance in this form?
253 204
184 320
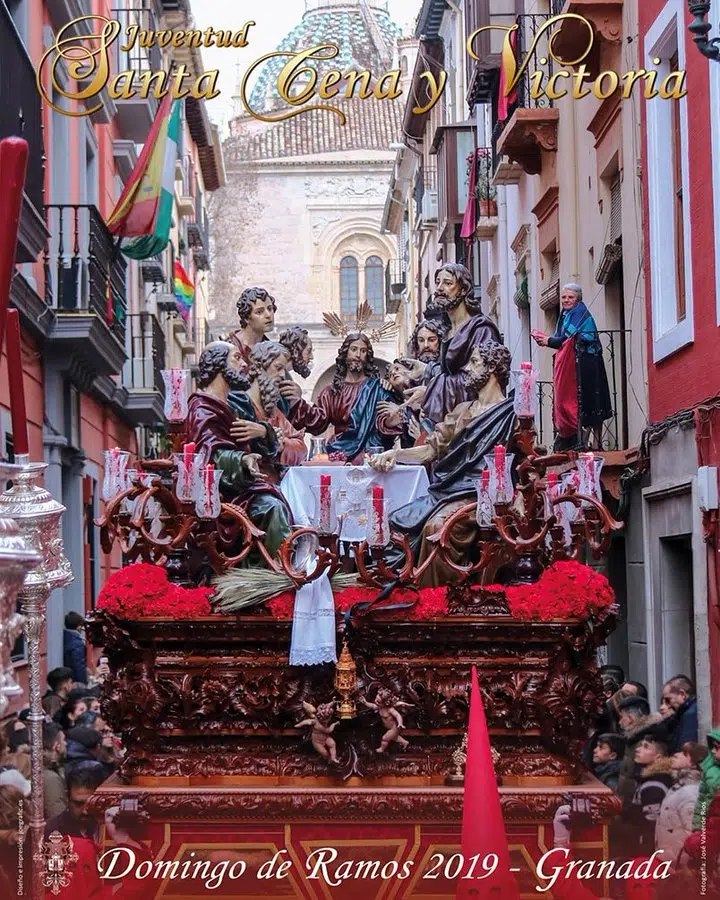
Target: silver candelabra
38 516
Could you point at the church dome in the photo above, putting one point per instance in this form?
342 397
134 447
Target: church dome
362 30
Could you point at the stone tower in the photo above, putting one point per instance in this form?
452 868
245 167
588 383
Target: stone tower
301 211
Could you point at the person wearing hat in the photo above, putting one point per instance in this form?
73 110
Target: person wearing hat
607 759
85 744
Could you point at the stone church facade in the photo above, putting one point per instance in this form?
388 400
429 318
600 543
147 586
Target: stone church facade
304 200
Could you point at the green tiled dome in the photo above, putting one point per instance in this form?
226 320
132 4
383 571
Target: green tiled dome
348 28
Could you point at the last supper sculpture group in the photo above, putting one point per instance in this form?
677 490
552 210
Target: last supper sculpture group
479 556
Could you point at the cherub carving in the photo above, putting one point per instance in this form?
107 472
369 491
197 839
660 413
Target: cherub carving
385 706
320 736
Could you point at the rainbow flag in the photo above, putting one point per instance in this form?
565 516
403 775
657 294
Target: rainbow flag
143 213
184 291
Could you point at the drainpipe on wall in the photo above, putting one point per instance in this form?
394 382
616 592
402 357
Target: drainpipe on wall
575 274
503 245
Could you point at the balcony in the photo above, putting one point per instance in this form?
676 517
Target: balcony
606 19
135 114
184 182
425 196
395 284
530 132
21 116
482 73
615 430
142 376
485 196
452 144
85 284
198 233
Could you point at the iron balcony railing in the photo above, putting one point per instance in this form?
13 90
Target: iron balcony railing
84 269
137 14
395 284
20 105
147 353
556 7
539 60
615 433
198 232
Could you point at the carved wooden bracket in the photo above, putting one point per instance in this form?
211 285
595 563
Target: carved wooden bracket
528 133
606 19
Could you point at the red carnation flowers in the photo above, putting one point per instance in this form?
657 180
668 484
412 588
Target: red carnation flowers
142 590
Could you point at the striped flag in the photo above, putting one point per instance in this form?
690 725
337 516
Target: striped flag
184 291
143 213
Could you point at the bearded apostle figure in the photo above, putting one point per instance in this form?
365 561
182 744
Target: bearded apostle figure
262 420
457 449
467 329
210 425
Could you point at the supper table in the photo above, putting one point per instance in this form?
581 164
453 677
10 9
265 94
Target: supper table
351 486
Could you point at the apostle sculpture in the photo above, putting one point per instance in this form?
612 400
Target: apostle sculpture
457 448
259 406
256 309
468 328
209 426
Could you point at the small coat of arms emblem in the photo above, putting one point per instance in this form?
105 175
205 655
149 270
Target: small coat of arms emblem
57 856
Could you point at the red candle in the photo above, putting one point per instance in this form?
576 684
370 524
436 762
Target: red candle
15 382
500 472
13 165
526 366
188 453
486 480
378 502
325 504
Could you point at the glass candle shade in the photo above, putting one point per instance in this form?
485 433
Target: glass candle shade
115 477
189 466
325 520
378 522
499 464
485 511
589 467
207 500
177 392
523 382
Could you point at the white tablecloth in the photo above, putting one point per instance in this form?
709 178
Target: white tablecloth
402 485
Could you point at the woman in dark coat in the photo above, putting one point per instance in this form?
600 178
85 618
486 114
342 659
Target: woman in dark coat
582 395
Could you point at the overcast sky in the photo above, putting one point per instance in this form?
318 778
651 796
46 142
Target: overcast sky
274 19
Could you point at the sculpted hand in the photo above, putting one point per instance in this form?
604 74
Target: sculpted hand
391 411
383 462
414 429
290 391
251 464
243 431
414 396
417 368
280 434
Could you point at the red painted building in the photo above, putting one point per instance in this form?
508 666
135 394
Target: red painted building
97 329
674 537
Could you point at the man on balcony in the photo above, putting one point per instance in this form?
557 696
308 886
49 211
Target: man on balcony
209 426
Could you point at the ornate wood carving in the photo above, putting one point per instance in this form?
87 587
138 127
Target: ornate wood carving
215 696
528 133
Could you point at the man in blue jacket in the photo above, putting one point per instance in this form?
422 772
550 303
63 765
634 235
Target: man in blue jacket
74 655
679 695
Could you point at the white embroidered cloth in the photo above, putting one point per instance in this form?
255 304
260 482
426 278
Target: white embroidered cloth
313 631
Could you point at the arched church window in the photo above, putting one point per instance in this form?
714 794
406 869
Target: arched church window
349 288
374 285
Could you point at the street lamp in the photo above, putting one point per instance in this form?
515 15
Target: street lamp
700 28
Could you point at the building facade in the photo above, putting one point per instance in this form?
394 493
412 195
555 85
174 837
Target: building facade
676 543
302 208
97 328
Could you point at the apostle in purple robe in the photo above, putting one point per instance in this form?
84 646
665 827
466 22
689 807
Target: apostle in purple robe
445 380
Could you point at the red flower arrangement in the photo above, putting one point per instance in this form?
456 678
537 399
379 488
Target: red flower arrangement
142 590
567 590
